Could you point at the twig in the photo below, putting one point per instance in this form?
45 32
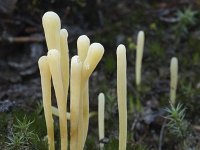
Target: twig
161 134
22 39
196 127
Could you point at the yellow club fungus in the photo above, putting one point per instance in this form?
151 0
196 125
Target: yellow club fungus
46 94
55 69
122 95
174 79
75 95
101 108
139 55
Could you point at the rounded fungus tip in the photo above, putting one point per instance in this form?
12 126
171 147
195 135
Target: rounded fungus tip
121 49
64 33
53 52
42 59
101 95
174 60
141 33
97 47
76 59
83 39
50 18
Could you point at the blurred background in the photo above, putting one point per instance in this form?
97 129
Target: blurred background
171 30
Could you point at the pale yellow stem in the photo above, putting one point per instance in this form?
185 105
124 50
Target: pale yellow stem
51 24
55 69
75 95
46 94
83 44
139 55
80 121
101 107
64 54
55 112
122 95
174 79
95 53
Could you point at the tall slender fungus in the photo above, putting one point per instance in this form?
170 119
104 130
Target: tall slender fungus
83 44
139 55
75 95
46 94
51 24
94 55
174 79
64 56
55 69
122 95
101 107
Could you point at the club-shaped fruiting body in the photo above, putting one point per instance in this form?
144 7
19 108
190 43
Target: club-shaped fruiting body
139 55
94 55
173 79
83 44
122 95
75 97
55 69
51 24
46 94
64 58
101 108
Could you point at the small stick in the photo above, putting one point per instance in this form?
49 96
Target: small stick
55 112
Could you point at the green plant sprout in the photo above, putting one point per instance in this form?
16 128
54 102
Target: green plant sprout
185 18
22 137
177 125
180 128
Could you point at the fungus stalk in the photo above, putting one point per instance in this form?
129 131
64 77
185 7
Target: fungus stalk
75 95
55 69
46 94
139 55
83 44
64 60
101 107
94 55
121 95
173 79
